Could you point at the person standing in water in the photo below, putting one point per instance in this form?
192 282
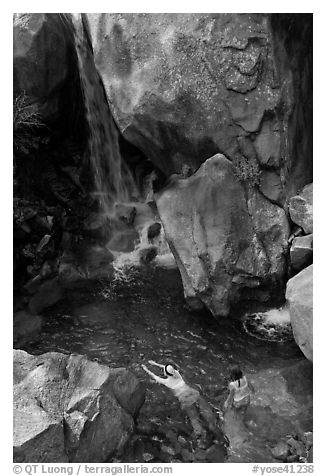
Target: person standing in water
239 391
192 403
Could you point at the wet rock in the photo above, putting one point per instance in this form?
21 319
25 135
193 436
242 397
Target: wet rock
85 262
299 295
147 255
301 209
153 230
49 293
65 409
301 252
222 243
125 213
124 241
281 451
26 327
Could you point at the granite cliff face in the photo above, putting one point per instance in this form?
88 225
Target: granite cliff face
183 87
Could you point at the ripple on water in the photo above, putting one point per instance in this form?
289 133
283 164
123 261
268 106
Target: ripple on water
147 320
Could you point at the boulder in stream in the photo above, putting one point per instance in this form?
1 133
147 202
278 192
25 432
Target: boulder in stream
225 239
299 295
67 408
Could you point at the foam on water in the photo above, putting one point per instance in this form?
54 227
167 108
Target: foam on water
274 324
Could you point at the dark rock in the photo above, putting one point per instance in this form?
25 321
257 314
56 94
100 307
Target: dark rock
146 255
187 456
44 241
129 401
33 284
64 409
153 230
125 213
41 43
307 439
301 209
301 252
215 454
86 262
124 241
310 458
299 295
281 451
49 293
26 327
200 454
296 447
292 458
71 223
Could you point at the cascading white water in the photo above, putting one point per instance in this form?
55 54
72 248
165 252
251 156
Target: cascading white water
112 179
272 325
114 184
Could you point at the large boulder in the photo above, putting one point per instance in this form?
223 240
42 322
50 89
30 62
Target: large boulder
299 294
183 87
67 408
301 209
43 59
223 243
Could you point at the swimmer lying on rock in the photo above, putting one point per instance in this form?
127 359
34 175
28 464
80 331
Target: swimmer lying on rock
192 403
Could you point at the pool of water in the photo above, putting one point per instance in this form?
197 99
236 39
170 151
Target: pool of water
143 316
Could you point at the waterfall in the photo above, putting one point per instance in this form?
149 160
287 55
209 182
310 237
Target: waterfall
112 178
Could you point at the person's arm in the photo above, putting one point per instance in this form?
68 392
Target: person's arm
154 377
229 400
155 363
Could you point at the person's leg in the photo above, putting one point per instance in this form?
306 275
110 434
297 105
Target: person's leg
207 413
194 417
